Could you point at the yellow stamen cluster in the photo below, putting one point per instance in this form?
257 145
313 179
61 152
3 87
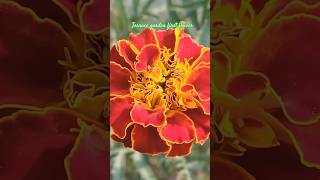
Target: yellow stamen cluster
160 85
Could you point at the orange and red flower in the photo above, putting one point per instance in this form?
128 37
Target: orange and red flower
160 92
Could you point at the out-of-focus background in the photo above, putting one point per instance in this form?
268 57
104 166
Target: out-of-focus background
127 163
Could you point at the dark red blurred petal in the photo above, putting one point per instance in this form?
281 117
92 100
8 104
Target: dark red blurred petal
34 144
147 140
287 52
246 83
147 36
224 169
89 158
119 79
280 162
221 69
120 118
29 52
94 16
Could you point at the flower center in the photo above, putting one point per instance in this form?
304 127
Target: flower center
160 84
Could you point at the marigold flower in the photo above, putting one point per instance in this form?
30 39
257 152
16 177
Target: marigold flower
160 92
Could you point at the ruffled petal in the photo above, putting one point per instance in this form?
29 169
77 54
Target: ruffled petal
178 129
204 58
147 140
201 123
188 50
127 51
200 79
180 149
35 144
119 80
288 56
87 159
147 36
120 118
115 56
148 56
166 38
145 116
30 73
127 140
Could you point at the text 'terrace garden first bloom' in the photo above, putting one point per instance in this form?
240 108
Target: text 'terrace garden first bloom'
160 92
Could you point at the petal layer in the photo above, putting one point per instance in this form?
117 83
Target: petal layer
143 115
188 50
179 128
201 123
200 79
148 56
120 118
147 140
119 80
147 36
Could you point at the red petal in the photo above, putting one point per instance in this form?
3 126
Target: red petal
188 50
30 73
200 79
180 149
34 144
120 118
166 39
205 106
148 56
119 80
93 16
147 36
204 57
115 56
179 128
127 140
127 51
90 155
201 123
290 59
147 140
144 116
